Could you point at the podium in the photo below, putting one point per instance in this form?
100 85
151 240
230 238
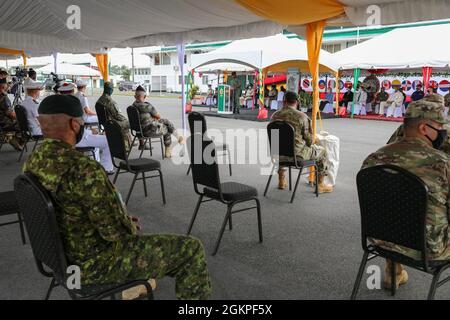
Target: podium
224 100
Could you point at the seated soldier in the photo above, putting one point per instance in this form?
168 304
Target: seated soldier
305 150
418 152
113 113
31 105
248 96
8 122
273 93
98 234
152 124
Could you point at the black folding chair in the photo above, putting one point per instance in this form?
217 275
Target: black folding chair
286 149
205 172
137 132
393 205
21 114
197 125
9 206
38 211
138 167
101 115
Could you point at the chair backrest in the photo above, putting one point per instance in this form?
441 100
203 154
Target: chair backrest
116 141
38 212
22 121
393 205
135 119
205 170
197 123
285 144
101 114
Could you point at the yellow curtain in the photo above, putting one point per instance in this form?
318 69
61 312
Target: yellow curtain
13 52
294 12
314 36
102 62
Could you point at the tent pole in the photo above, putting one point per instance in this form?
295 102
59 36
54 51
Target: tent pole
337 93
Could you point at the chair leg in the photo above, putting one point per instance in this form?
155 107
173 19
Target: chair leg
189 170
258 208
362 267
393 278
194 216
144 181
268 182
22 229
296 185
116 176
162 148
35 145
50 289
229 161
434 285
23 151
161 180
230 222
131 188
222 229
317 180
131 147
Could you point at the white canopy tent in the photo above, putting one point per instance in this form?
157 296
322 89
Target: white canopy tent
218 67
407 49
69 70
272 54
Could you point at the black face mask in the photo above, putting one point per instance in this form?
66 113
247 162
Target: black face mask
80 134
442 135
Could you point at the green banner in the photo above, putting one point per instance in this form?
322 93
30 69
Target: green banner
356 75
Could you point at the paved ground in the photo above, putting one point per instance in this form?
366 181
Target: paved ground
311 249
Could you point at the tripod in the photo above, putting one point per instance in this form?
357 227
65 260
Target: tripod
18 94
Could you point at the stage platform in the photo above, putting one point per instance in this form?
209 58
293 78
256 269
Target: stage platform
375 117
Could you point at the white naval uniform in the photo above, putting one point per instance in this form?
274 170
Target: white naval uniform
85 104
31 106
99 142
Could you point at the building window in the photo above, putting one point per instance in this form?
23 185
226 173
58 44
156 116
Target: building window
332 48
205 80
185 79
349 44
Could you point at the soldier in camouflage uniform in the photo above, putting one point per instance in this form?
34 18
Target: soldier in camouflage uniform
153 124
418 152
8 122
399 133
447 103
304 148
98 234
236 87
112 111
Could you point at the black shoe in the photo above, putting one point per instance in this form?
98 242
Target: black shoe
111 173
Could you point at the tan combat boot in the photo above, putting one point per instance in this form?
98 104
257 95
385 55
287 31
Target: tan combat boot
137 292
168 152
180 139
282 182
323 188
401 277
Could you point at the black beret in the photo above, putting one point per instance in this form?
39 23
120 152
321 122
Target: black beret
140 88
61 104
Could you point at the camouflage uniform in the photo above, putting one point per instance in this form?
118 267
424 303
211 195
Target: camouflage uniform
447 100
236 85
7 123
418 157
113 113
98 234
305 150
153 126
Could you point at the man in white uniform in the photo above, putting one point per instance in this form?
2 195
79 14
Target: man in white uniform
395 101
361 101
91 140
89 115
31 105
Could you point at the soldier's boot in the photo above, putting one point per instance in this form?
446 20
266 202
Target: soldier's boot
137 292
324 188
168 152
282 182
401 275
180 139
15 144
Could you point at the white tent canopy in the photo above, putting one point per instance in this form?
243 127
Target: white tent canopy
70 70
218 67
400 49
273 54
40 26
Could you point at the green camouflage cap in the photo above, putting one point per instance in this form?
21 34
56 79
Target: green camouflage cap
424 109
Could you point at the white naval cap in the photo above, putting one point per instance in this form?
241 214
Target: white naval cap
33 85
66 87
81 83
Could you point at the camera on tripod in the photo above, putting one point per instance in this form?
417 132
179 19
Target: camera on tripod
21 74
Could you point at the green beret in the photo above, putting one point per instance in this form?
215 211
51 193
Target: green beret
424 109
61 104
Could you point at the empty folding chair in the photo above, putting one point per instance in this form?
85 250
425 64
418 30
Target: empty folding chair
205 172
138 167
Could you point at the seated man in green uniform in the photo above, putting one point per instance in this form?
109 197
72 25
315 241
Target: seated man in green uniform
419 153
400 132
8 122
98 234
304 148
153 124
